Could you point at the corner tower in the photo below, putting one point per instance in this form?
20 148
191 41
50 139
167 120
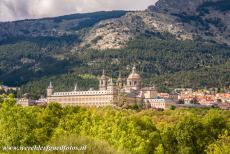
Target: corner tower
50 90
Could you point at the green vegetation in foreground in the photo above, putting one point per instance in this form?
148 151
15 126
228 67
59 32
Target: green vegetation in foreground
111 130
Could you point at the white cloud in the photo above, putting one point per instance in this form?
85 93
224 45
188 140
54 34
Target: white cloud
24 9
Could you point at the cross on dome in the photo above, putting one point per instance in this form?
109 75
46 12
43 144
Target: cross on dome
134 69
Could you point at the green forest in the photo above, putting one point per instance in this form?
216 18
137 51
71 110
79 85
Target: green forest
114 130
161 60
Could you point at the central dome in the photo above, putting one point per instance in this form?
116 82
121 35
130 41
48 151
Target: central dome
134 74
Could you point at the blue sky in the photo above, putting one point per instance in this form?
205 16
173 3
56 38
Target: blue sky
27 9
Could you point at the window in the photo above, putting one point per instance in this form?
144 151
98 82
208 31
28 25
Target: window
135 83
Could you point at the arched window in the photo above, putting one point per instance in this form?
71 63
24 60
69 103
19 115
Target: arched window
135 83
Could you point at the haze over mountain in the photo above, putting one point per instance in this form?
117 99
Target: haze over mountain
159 40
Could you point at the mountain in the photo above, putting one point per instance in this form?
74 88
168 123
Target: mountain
209 19
31 49
174 43
54 27
115 33
186 19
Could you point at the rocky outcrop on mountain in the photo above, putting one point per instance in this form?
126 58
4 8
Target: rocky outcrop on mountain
115 33
185 19
209 19
111 34
157 22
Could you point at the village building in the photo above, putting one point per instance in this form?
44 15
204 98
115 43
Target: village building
161 103
7 88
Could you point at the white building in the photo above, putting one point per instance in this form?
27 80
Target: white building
160 103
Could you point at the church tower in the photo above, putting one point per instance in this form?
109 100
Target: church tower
134 80
103 83
120 82
50 90
110 85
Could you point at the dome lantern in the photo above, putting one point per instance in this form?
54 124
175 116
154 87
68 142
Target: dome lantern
134 80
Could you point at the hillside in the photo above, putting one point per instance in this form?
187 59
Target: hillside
161 60
53 27
209 19
185 19
31 49
116 33
172 45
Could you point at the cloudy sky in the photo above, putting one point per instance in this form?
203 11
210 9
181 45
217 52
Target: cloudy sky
25 9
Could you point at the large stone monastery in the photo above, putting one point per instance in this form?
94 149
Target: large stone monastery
109 92
128 91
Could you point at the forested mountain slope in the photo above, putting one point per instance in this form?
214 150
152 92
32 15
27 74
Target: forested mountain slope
172 46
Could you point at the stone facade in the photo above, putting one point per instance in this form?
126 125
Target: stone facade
84 98
109 92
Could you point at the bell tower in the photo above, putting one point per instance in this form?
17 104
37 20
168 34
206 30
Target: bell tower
103 83
120 83
50 90
110 84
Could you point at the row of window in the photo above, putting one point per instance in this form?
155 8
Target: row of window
82 93
94 99
135 83
89 104
158 104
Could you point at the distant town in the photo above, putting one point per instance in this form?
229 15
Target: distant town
130 91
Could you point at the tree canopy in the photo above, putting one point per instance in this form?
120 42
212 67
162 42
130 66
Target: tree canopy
192 131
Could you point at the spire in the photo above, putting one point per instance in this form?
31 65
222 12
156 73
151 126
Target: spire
50 90
119 76
119 79
111 81
103 76
134 69
75 87
50 85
